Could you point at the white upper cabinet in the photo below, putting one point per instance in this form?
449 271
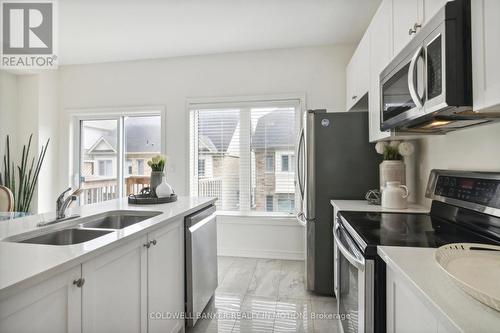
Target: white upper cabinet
431 7
380 32
406 20
358 73
486 55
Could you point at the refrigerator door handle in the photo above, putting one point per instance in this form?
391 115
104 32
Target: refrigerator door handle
298 160
302 219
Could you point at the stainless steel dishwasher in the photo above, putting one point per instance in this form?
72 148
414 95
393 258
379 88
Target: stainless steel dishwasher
201 261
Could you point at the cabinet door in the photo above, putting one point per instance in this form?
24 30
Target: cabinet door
486 54
405 311
380 55
350 98
363 66
52 306
166 278
115 290
406 14
431 7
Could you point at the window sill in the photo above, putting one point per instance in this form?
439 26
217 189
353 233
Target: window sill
256 214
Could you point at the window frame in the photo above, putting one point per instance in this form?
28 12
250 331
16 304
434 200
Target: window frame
255 101
76 116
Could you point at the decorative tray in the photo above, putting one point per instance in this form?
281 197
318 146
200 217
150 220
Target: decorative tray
147 198
475 268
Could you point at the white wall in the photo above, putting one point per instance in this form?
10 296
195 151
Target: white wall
8 110
317 71
476 149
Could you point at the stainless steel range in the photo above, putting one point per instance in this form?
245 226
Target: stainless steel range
465 208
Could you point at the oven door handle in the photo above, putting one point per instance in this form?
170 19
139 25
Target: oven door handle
357 262
411 78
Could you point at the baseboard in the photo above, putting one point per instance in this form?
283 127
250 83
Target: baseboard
257 253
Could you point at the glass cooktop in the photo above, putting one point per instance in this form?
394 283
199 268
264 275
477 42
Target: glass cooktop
370 229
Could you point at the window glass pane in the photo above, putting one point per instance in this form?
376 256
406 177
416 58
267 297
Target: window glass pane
273 134
142 140
270 163
98 169
217 156
269 203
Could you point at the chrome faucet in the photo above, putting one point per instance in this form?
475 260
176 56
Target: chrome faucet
62 204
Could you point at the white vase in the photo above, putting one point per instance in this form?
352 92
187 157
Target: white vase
164 189
392 171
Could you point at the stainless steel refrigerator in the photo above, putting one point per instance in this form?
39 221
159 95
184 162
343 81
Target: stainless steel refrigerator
334 161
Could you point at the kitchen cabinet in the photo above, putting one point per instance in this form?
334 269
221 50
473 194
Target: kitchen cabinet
486 55
407 18
51 306
406 312
431 7
380 31
115 290
124 287
166 277
357 73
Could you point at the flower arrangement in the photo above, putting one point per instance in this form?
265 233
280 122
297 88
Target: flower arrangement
394 150
157 163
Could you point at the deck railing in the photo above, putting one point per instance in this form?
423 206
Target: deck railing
210 187
103 189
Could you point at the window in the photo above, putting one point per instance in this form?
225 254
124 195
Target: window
105 168
129 167
235 151
286 205
284 163
201 168
140 167
113 152
269 203
270 163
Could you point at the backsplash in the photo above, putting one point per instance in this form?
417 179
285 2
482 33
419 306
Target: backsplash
476 149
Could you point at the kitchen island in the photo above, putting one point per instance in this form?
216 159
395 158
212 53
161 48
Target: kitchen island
110 283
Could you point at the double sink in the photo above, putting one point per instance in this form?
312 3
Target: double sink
90 227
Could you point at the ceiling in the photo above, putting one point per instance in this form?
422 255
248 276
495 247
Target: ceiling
93 31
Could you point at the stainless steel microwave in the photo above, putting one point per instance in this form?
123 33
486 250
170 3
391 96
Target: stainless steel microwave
427 87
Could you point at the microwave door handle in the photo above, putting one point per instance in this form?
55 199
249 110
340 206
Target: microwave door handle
411 78
356 262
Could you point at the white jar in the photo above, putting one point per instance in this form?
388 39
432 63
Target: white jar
164 189
395 196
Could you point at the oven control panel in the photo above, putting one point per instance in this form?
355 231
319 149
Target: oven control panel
484 192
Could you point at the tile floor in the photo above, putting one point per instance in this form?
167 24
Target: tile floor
263 295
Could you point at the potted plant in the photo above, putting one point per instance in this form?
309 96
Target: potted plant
392 167
157 165
27 172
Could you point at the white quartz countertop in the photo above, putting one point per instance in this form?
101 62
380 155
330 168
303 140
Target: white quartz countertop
364 206
450 304
23 265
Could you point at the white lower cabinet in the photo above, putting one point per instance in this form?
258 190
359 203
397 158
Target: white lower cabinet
136 287
166 279
406 313
114 294
52 306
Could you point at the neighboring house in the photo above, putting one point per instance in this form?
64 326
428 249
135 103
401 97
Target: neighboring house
272 143
219 159
100 150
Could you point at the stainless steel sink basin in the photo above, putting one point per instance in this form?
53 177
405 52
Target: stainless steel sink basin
119 219
66 237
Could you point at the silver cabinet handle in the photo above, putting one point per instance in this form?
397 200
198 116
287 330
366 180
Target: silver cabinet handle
354 97
153 242
414 29
411 78
147 245
79 282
